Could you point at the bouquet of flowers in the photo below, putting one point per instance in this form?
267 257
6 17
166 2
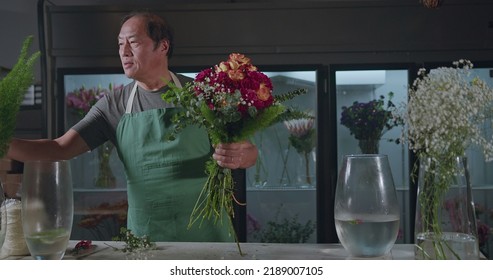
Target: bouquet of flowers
446 113
371 120
12 90
81 100
232 100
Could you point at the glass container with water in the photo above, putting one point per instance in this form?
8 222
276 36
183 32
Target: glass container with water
366 209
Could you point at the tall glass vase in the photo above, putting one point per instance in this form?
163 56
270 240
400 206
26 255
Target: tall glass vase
47 208
3 216
306 169
445 226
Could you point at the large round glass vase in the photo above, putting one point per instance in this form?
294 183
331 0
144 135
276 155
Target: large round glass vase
47 208
366 209
3 216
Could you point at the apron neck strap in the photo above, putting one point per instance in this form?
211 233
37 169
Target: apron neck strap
131 98
175 80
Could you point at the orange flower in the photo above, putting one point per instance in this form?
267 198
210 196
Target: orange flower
238 58
222 67
263 93
236 75
234 65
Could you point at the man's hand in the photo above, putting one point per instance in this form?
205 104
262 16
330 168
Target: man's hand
236 155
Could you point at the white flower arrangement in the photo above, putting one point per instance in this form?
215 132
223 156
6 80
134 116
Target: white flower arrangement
447 112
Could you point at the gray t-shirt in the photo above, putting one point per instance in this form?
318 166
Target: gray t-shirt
100 123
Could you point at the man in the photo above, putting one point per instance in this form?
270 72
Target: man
164 178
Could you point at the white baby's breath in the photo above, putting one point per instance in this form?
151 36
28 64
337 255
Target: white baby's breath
447 111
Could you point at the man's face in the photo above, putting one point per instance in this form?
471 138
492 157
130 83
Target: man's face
138 54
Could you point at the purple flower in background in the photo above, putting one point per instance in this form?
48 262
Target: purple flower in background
370 120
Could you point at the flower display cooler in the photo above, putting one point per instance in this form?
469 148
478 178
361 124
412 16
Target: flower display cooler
367 83
281 189
360 89
99 180
288 192
100 199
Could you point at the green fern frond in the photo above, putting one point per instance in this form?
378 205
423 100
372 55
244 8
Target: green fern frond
290 95
12 90
263 120
292 113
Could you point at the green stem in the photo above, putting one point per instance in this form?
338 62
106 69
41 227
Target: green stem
284 158
436 181
216 199
307 168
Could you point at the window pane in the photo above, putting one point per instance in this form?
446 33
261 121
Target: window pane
281 187
363 86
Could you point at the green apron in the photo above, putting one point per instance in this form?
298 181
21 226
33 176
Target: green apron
164 178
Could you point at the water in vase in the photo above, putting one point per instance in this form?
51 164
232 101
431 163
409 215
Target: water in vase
451 246
48 245
367 235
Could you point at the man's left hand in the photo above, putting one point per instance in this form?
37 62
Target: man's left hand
236 155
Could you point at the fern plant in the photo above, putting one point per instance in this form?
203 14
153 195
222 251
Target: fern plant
12 90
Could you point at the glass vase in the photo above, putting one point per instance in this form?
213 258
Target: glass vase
47 208
369 146
306 170
3 216
366 209
261 172
445 225
105 178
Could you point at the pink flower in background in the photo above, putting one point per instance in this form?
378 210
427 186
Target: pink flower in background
452 207
81 100
483 233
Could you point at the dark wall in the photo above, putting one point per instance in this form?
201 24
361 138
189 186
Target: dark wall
289 33
18 19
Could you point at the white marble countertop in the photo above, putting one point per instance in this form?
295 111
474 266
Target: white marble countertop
105 250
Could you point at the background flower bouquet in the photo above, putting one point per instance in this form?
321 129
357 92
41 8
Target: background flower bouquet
369 121
303 137
80 101
232 101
